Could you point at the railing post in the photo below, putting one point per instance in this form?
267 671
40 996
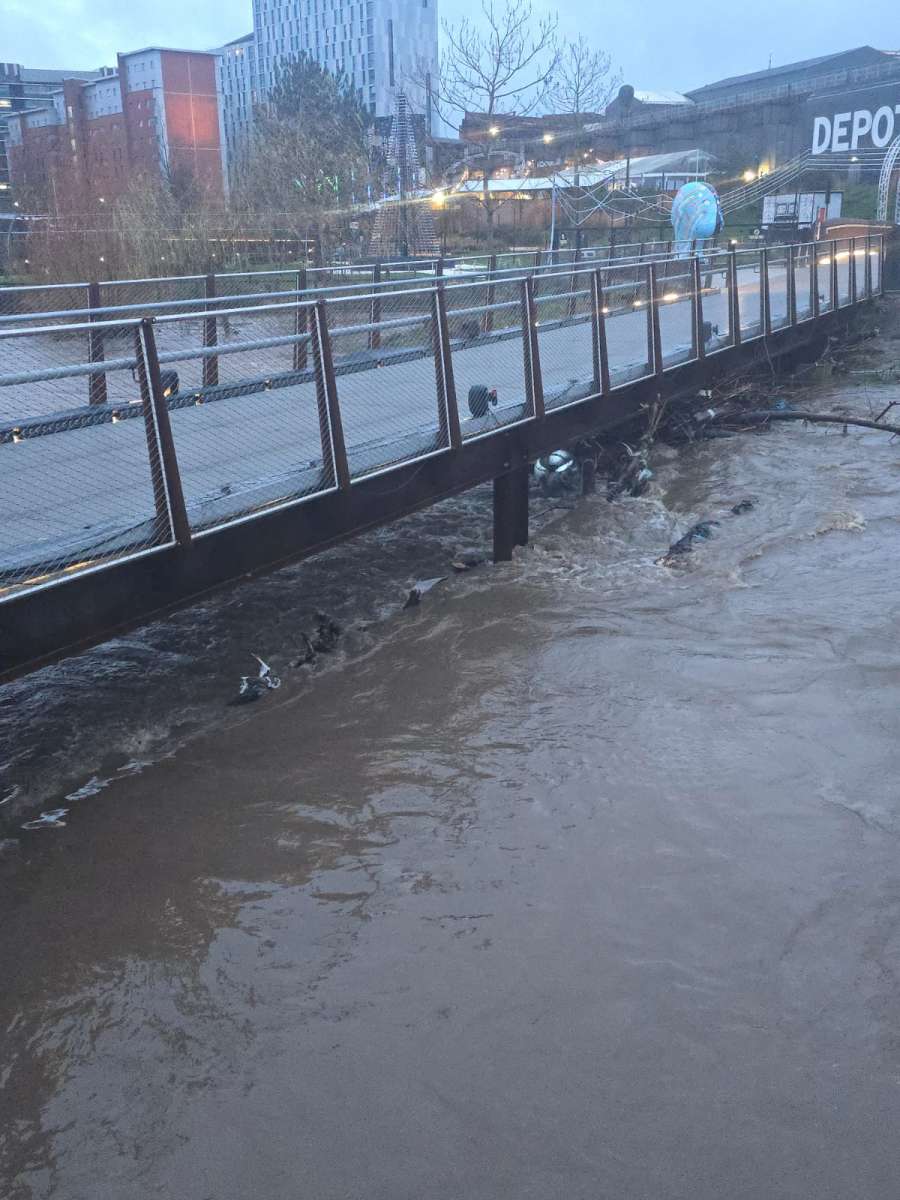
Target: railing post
96 382
867 272
488 322
655 332
792 285
331 428
835 294
572 306
734 302
448 408
598 335
814 303
882 254
210 336
375 308
765 308
171 511
851 271
697 310
301 323
534 384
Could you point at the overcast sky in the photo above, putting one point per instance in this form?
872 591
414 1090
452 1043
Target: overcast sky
652 41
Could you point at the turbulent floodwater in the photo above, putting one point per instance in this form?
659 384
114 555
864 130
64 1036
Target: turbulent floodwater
578 880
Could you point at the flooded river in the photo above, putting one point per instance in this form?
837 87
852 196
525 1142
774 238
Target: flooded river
580 880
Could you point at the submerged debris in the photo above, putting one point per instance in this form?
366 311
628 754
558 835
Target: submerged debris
308 654
702 531
460 565
742 506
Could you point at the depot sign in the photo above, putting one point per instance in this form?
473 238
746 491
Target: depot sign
868 119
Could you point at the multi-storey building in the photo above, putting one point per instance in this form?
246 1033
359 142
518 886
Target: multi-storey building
379 46
158 114
239 91
21 88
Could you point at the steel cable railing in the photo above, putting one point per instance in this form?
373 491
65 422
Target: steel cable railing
198 418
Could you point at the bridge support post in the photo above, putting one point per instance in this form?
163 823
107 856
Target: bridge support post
588 477
375 308
96 382
210 336
165 475
655 332
534 383
697 309
598 339
488 322
331 427
510 512
792 285
448 409
301 323
765 298
734 303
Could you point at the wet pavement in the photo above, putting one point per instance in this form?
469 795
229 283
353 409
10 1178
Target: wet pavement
578 880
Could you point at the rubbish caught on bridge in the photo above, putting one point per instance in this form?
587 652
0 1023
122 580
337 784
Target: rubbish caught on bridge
556 472
252 689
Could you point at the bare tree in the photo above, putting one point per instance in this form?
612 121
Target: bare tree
502 66
582 86
583 83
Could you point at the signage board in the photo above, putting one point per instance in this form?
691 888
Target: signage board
848 122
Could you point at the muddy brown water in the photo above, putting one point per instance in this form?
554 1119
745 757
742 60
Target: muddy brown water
581 880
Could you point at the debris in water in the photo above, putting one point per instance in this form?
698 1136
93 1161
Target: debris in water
308 655
265 674
51 819
251 689
742 506
418 590
466 564
556 472
327 633
702 531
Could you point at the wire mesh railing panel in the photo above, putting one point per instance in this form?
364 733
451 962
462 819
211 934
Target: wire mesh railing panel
625 302
80 487
386 378
564 324
823 255
778 265
675 305
250 283
253 347
716 331
43 358
42 298
875 266
152 291
488 352
803 281
842 256
749 293
858 268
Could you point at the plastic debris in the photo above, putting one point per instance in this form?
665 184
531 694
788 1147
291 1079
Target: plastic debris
556 472
53 818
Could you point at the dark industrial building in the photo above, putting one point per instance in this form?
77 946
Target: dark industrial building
761 119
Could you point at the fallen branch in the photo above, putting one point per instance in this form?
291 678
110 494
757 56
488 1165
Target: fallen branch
760 418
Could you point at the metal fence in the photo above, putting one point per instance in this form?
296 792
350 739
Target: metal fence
129 432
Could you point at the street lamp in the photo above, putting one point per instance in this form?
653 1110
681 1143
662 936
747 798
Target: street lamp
748 176
548 138
494 130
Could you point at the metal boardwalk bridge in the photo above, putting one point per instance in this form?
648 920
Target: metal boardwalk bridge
154 448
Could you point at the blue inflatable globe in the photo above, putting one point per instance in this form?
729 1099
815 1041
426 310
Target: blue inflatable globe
696 214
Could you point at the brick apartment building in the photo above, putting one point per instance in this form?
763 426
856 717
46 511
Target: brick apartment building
158 114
